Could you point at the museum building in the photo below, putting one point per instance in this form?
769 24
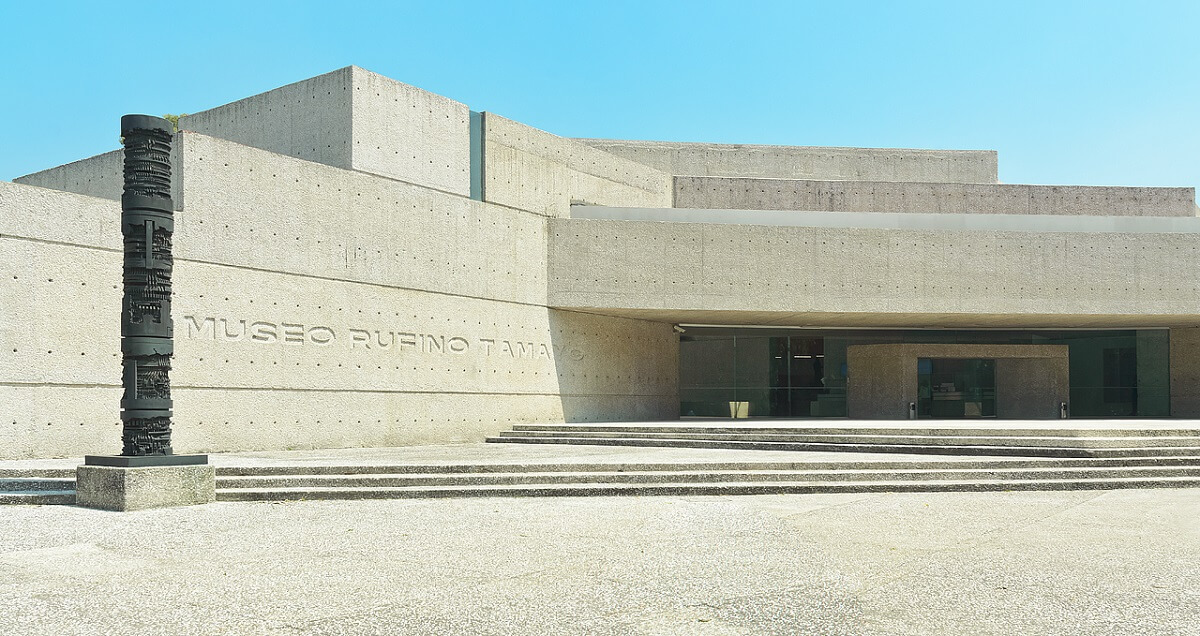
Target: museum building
359 262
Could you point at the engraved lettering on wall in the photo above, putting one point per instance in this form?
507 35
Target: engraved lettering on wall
373 340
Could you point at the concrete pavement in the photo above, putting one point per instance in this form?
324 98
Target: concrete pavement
1085 562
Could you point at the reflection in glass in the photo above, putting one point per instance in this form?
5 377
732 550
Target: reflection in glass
802 372
953 388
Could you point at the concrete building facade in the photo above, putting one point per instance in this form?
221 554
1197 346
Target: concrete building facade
363 263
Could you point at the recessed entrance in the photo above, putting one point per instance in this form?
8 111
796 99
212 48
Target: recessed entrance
956 387
796 373
963 380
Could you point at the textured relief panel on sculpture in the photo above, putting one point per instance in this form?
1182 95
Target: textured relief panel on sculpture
147 224
146 436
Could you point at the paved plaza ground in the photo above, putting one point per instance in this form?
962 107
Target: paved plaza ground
1086 562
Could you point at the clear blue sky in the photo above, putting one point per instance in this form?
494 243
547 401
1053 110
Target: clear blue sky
1088 92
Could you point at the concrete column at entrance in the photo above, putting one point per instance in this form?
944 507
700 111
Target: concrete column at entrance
1185 372
1031 388
880 382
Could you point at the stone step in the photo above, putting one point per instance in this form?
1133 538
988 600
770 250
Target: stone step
914 449
848 464
699 476
923 440
35 484
38 497
1157 451
969 431
1020 451
43 473
687 489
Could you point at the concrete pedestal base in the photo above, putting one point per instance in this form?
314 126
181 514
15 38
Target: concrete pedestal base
140 488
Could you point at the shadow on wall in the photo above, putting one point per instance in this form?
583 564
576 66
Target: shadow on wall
615 369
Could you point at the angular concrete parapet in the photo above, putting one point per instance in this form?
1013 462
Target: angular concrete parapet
807 162
915 197
534 170
354 119
97 176
124 489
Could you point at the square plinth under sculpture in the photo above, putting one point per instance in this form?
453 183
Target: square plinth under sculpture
139 483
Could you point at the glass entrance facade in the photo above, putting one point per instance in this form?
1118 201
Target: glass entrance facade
956 387
800 373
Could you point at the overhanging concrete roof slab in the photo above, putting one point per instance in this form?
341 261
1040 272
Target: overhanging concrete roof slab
835 320
726 273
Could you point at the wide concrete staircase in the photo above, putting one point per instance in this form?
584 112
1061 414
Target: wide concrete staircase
45 486
704 478
889 458
1078 440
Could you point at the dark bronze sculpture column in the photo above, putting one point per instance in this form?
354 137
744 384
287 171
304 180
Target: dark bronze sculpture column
147 334
147 474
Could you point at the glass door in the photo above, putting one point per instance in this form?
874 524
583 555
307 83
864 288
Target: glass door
956 388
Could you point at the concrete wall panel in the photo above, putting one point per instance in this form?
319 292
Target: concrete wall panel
352 118
258 209
875 196
406 133
98 176
52 216
310 299
880 383
292 332
59 311
1032 388
60 366
533 170
310 119
764 272
1185 372
806 162
47 420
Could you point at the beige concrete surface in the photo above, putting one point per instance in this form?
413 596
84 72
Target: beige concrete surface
407 133
1185 372
309 119
1034 223
1033 387
960 198
531 169
734 317
806 162
828 275
306 327
97 176
480 453
1087 563
128 489
353 118
328 222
